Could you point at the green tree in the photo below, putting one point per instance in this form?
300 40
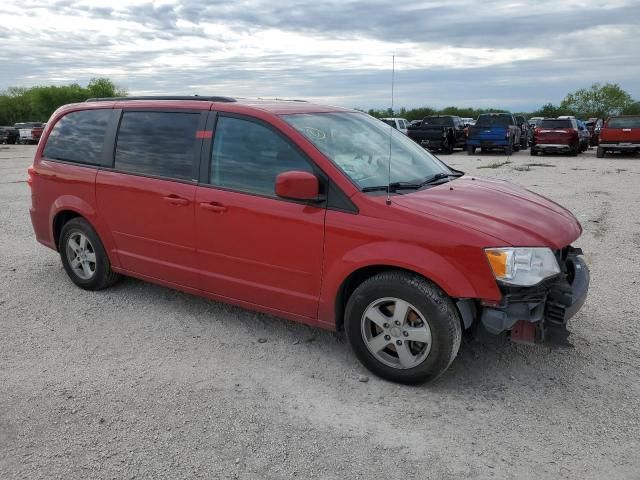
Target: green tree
18 104
548 110
597 101
633 109
104 88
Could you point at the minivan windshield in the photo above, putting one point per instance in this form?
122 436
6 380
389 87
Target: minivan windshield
360 145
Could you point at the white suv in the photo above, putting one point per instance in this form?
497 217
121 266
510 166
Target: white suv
397 123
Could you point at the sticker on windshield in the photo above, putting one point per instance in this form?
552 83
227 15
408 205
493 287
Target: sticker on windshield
315 133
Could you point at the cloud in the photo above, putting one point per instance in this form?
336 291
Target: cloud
505 54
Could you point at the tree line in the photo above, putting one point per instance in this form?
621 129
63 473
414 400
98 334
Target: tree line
36 104
19 104
597 101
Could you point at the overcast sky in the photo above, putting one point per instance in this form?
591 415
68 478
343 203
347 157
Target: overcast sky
508 54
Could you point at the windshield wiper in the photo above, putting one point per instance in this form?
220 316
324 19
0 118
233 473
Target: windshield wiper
394 186
440 176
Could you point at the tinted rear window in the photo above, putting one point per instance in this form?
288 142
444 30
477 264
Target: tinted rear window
555 124
79 137
624 122
493 121
438 121
161 144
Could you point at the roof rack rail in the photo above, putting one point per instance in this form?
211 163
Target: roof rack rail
161 97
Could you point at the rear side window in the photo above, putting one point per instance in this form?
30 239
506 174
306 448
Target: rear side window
160 144
248 156
79 137
624 122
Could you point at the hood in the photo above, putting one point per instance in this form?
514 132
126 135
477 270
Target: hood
516 216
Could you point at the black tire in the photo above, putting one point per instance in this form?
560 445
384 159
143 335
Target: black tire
103 276
471 150
574 152
600 152
447 146
533 153
509 150
432 303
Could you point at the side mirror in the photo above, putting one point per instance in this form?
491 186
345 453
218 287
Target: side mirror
298 185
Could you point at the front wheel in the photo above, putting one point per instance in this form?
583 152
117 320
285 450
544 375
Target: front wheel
533 153
471 150
83 256
402 327
600 152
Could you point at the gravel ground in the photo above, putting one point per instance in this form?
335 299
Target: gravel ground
140 381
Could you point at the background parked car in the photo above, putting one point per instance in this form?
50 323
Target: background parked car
557 135
533 123
397 123
439 132
414 123
494 131
594 125
8 135
29 132
620 134
525 132
468 121
584 135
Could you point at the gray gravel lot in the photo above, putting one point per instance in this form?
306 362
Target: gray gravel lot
140 381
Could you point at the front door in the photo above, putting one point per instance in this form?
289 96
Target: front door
251 245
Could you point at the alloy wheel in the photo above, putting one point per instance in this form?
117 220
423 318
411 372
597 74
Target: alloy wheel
81 255
396 333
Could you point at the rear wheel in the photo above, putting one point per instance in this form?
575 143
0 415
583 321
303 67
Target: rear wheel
471 150
402 327
533 153
83 256
600 152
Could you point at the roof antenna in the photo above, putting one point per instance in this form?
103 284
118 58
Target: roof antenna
393 73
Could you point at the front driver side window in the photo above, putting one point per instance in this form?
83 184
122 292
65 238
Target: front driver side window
248 156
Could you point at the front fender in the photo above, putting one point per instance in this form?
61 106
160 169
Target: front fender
454 280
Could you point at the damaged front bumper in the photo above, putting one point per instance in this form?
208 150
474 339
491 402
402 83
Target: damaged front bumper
539 313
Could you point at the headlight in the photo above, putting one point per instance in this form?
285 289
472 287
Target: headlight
522 266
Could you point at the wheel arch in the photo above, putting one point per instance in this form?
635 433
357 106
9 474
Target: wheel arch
68 207
362 274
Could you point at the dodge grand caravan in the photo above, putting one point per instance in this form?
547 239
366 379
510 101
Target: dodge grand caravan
293 209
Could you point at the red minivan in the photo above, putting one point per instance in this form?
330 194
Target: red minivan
317 214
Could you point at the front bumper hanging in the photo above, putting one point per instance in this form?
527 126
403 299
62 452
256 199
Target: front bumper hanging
539 313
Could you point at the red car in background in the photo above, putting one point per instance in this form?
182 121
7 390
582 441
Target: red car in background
619 134
556 135
317 214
